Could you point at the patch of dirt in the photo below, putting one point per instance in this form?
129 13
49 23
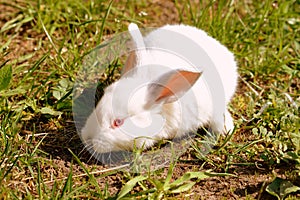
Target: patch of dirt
246 180
161 13
24 39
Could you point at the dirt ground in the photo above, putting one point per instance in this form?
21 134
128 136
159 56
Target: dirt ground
247 180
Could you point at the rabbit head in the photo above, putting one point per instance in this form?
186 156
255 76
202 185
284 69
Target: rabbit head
136 111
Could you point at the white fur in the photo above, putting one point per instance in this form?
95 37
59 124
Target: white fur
127 97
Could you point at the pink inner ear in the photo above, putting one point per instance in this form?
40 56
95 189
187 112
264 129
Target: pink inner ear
178 83
164 93
130 63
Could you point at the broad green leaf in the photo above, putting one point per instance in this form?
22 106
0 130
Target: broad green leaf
212 174
17 91
50 111
16 22
64 83
188 176
191 175
129 186
57 94
183 188
280 188
157 183
5 76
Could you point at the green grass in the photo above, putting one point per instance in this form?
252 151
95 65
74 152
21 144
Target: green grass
42 44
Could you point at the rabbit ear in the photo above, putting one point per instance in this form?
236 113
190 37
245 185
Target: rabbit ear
134 57
171 86
130 64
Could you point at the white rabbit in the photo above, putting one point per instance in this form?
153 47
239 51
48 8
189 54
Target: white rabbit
177 80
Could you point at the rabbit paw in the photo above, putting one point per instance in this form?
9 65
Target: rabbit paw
228 126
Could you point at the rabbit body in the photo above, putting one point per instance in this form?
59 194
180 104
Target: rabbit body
164 95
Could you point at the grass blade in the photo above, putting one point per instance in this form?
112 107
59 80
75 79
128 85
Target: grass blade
104 20
68 184
91 176
5 76
130 185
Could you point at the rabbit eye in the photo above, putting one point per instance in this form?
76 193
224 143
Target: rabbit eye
117 123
